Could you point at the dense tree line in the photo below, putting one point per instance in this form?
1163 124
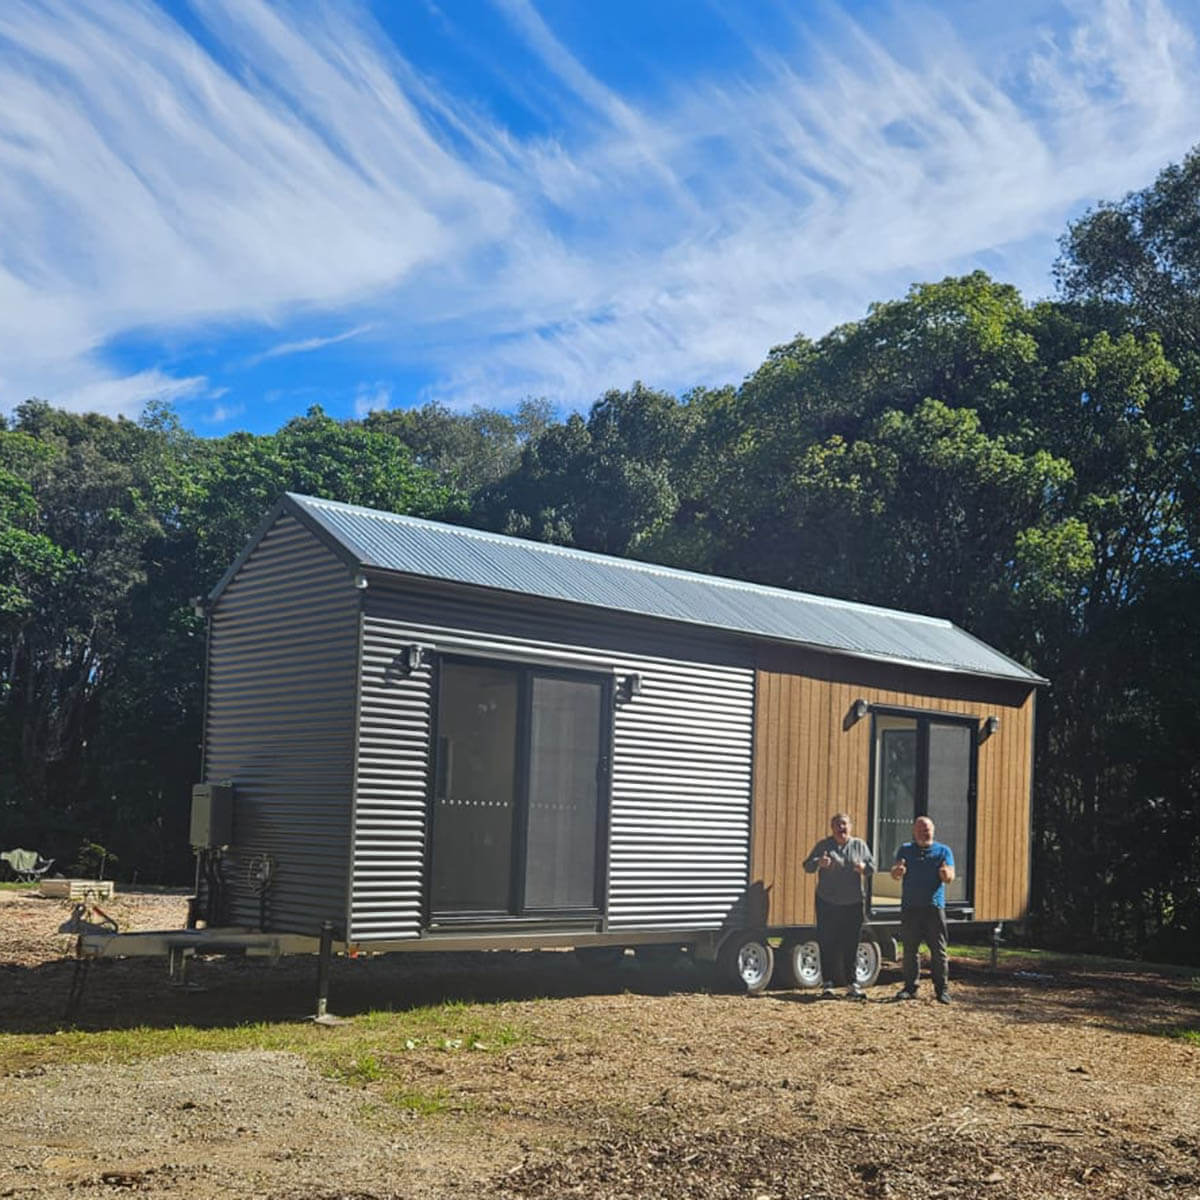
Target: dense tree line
1030 471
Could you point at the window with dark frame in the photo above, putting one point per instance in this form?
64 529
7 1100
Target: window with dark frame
922 765
520 799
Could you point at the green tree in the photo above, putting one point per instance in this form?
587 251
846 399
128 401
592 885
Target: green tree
237 479
465 452
1140 256
609 483
80 520
108 529
926 507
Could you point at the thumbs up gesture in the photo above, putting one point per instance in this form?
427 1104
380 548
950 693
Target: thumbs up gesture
899 870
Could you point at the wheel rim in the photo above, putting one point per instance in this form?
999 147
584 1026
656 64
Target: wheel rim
866 964
806 964
753 964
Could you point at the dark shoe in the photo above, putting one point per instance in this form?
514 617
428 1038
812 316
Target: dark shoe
827 992
943 997
854 992
906 994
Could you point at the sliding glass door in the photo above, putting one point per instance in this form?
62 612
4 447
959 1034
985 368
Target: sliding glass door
520 795
922 766
563 810
949 795
476 788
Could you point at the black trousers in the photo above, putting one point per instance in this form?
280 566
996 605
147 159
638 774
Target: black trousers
928 925
838 930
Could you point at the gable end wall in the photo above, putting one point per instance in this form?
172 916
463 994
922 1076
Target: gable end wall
279 723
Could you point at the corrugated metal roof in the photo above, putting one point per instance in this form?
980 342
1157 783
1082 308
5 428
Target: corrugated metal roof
409 545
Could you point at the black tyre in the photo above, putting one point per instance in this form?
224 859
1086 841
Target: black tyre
800 964
867 962
746 962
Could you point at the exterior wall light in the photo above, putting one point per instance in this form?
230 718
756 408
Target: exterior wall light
628 686
855 713
986 729
413 658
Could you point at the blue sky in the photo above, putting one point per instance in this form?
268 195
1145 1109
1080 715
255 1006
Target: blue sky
247 208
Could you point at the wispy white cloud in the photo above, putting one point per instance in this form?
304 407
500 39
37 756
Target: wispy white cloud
307 345
307 168
831 184
128 395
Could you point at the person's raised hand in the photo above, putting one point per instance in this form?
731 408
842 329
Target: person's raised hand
899 870
825 862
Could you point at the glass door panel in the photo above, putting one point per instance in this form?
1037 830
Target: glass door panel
948 801
564 794
475 789
895 800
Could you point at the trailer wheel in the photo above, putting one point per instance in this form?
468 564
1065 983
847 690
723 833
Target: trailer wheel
802 964
867 962
746 961
599 958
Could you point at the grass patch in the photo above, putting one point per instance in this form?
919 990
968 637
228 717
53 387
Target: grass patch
364 1051
1187 1035
1060 960
423 1104
11 885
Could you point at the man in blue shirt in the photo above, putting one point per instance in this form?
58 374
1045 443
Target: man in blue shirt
926 867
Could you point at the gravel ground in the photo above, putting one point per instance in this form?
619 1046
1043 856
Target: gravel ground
631 1083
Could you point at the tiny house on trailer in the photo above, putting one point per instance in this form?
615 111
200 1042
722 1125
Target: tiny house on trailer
425 737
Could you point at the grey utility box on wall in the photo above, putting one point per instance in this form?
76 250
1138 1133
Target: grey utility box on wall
212 815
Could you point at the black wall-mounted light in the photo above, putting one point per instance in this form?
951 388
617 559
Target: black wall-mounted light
628 686
855 713
987 728
412 658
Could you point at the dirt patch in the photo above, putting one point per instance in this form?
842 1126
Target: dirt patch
634 1082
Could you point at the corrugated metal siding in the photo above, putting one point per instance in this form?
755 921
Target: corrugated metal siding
426 548
280 724
680 815
387 890
680 832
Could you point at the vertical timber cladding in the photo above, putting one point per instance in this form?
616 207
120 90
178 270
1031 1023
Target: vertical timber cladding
810 762
279 724
678 851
